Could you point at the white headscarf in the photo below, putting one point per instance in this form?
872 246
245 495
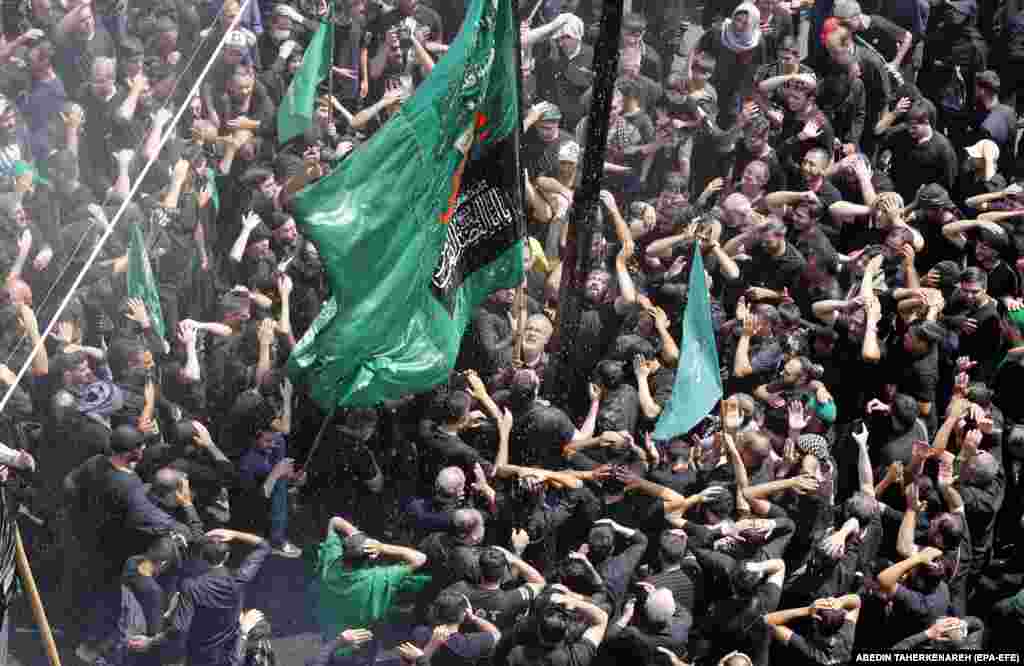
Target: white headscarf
742 41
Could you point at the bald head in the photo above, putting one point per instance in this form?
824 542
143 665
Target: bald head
468 525
736 201
451 482
736 210
166 480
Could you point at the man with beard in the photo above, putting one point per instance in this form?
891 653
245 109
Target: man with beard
568 72
285 239
921 156
974 315
14 140
100 99
492 336
80 40
985 242
601 317
541 147
138 117
286 24
408 17
616 570
255 260
536 336
813 243
774 267
813 167
245 104
310 287
804 126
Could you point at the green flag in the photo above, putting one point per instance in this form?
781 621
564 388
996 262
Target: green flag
419 225
141 283
296 113
698 384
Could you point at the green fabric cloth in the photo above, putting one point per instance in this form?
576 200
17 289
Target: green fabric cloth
1016 602
211 178
418 226
698 383
295 115
1016 318
827 412
346 598
142 283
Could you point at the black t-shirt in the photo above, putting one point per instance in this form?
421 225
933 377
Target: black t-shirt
538 436
775 273
579 653
916 376
985 344
599 326
501 607
827 650
619 410
916 164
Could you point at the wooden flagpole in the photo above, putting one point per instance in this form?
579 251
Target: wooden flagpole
35 601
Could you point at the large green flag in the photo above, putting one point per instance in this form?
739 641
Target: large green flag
698 384
296 113
141 282
419 225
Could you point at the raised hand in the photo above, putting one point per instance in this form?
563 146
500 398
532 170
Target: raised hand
797 416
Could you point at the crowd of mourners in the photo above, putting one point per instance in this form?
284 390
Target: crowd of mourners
849 174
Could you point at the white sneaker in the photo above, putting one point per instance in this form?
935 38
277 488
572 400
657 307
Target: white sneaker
287 549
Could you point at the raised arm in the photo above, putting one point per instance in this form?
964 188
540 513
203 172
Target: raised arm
890 578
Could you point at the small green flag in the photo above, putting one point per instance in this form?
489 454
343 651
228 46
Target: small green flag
418 226
698 384
142 283
296 113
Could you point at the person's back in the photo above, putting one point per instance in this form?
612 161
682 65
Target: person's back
211 602
348 589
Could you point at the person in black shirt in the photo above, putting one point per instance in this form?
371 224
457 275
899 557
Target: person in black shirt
550 638
774 267
917 357
921 155
615 570
680 571
735 622
973 314
831 639
500 605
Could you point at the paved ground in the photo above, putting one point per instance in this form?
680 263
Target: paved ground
279 590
